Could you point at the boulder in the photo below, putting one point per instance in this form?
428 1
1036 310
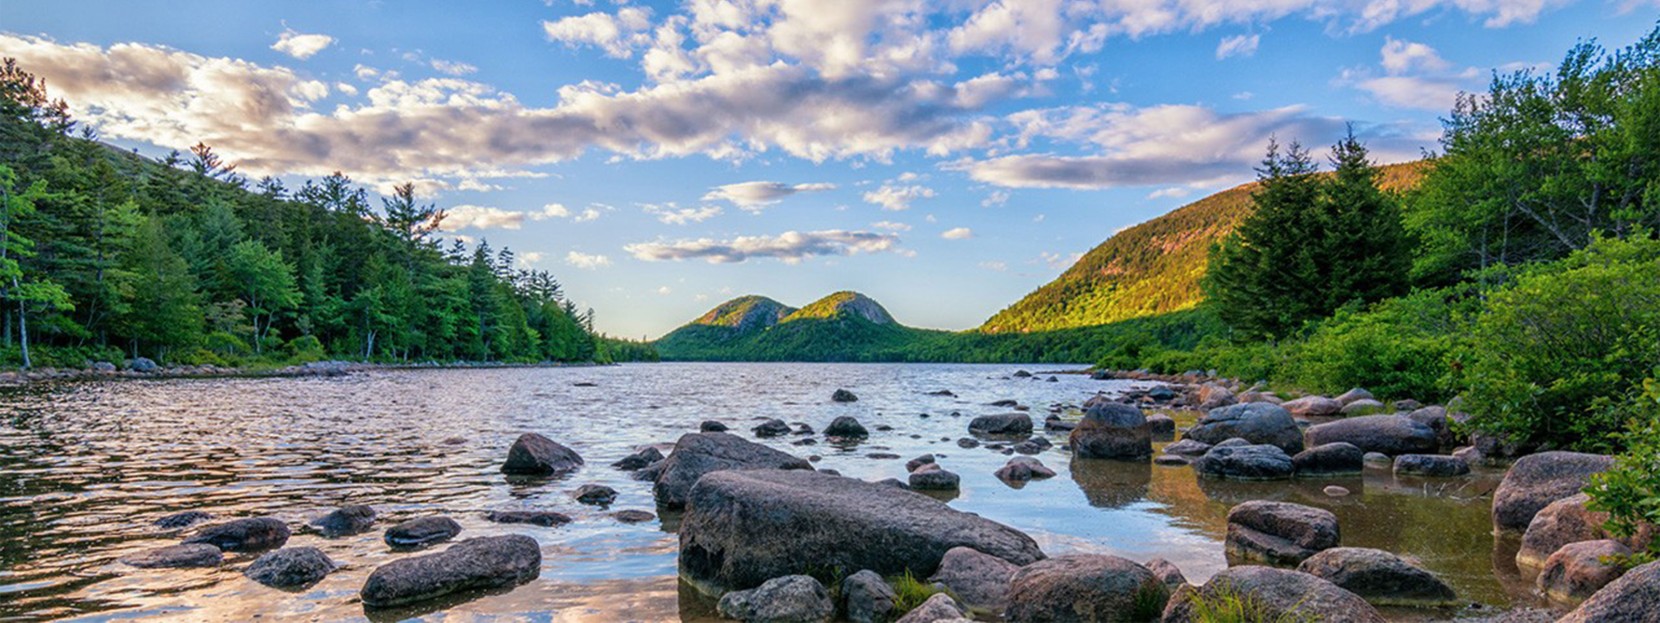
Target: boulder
867 598
1389 434
932 477
596 495
423 531
1435 417
697 454
1279 533
1630 599
1172 460
1470 455
938 608
1568 521
633 516
244 535
1260 397
1033 445
478 563
1212 396
1112 431
1084 587
180 520
1379 577
1256 422
1430 465
771 427
535 455
1055 423
788 599
711 426
846 427
345 521
1355 395
639 460
1332 459
1579 570
1377 459
1167 573
1001 424
980 580
913 464
290 567
1161 426
143 364
1274 595
1022 469
545 519
842 395
1313 406
1364 406
1245 462
1406 404
1187 447
176 556
1535 481
742 528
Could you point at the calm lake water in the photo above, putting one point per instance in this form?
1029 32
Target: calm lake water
85 468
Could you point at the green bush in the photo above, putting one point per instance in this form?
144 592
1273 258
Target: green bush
1555 353
225 344
1630 491
1400 348
305 348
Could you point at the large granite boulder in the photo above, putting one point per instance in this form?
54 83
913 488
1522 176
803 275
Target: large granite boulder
290 567
1212 395
1332 459
980 580
742 528
1256 422
535 455
1536 480
479 563
867 598
1279 533
1274 595
1083 587
1313 406
1389 434
1245 462
176 556
1379 577
788 599
1002 424
1630 599
1112 431
1568 521
697 454
1579 570
244 535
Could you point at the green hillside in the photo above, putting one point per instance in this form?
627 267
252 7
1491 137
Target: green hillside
1149 269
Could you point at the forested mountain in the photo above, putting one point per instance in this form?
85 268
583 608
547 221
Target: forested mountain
1152 268
107 256
845 326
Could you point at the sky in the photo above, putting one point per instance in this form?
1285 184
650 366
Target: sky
945 158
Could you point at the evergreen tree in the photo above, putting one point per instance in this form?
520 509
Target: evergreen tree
163 312
1368 256
1264 278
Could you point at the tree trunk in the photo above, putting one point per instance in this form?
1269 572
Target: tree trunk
23 326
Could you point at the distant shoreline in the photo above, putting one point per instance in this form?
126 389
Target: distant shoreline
323 369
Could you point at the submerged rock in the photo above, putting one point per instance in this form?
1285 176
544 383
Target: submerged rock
789 599
1083 587
597 495
1535 481
1332 459
422 532
535 455
1277 595
633 516
742 528
698 454
771 427
176 556
1022 469
639 460
345 521
1279 533
290 567
182 520
1256 422
1187 447
711 426
546 519
478 563
842 395
1379 577
1112 431
244 535
846 427
1430 465
1001 424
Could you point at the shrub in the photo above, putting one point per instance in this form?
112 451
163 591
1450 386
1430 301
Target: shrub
1630 491
225 344
305 348
1401 347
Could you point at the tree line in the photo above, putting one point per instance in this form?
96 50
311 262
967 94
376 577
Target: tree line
106 255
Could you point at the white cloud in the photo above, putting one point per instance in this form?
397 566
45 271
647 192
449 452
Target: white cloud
586 261
1237 45
1415 76
301 46
664 291
890 226
469 216
1059 260
958 233
896 197
617 34
995 198
995 266
453 68
1175 192
530 258
672 214
754 196
790 247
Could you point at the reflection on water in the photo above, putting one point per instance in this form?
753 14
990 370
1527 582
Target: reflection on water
86 468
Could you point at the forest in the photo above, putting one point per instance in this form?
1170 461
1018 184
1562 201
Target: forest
107 256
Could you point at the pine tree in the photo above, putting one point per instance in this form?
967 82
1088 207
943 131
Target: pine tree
1368 256
163 311
1264 278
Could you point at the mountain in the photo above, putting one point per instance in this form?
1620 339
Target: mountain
845 326
1149 269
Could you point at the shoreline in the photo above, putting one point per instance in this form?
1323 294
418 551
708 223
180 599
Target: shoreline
22 378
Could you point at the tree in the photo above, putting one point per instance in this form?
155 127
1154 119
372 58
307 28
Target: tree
1263 279
163 311
25 290
1368 256
264 282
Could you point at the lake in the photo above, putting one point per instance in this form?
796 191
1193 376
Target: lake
85 468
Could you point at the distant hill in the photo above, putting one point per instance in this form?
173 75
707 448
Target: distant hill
845 326
1149 269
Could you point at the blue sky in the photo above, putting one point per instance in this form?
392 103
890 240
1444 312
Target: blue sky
943 157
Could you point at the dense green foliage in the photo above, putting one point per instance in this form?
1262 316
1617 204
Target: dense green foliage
1630 491
1311 245
105 255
